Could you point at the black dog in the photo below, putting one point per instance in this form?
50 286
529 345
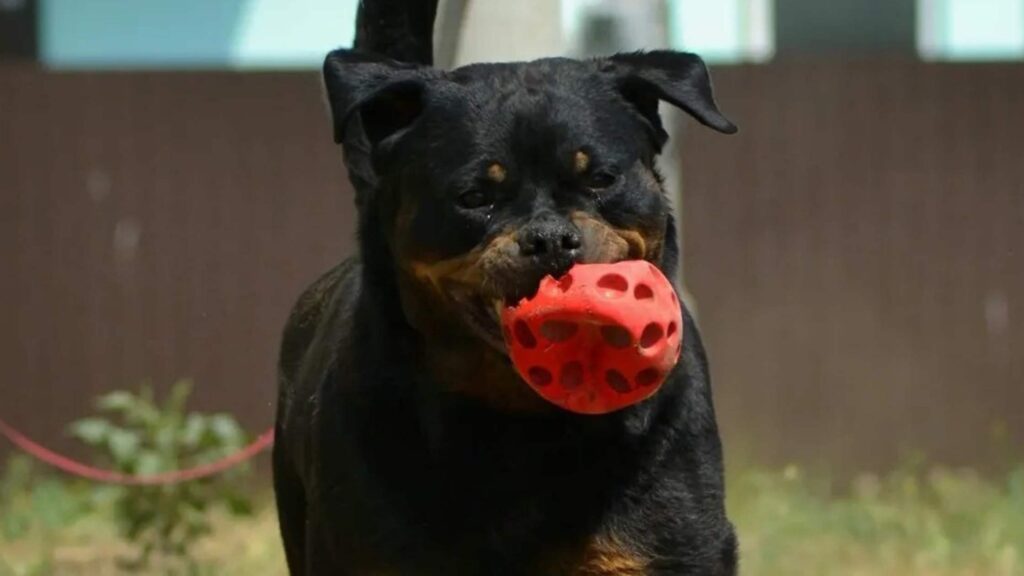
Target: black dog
407 444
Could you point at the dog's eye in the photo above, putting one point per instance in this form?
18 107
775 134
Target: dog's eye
473 199
600 180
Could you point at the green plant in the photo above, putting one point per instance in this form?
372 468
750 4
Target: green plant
36 506
33 500
136 435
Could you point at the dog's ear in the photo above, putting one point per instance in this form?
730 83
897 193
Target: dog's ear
679 78
385 96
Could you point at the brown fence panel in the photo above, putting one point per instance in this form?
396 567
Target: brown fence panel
857 252
158 226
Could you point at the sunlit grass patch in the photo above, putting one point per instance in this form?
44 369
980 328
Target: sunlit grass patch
912 521
928 522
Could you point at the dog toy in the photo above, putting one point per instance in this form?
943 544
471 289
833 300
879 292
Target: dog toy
602 337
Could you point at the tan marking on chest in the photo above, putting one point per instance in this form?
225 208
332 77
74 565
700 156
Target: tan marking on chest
604 556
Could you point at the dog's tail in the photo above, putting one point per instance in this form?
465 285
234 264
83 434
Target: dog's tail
399 29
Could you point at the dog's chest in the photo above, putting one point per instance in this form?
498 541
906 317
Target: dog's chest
487 512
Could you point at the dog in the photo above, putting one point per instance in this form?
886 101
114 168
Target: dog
406 442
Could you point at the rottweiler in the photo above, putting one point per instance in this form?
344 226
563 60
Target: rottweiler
407 445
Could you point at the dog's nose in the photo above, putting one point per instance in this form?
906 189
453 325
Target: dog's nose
548 245
551 237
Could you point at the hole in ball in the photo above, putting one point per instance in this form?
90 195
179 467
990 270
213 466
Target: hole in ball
671 329
523 335
539 376
617 381
648 377
616 336
643 292
558 330
612 285
651 335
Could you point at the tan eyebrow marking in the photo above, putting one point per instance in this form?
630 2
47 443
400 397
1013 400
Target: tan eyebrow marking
496 173
580 162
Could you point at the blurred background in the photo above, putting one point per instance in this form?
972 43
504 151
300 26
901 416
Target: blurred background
168 185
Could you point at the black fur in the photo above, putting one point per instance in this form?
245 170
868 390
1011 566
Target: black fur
399 29
389 459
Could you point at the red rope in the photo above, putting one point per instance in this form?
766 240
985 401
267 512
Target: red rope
76 468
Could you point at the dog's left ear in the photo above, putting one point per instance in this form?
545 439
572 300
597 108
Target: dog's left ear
679 78
385 95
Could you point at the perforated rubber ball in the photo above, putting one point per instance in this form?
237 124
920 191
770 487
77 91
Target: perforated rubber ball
601 338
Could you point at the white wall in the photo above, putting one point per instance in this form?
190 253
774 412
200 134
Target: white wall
510 30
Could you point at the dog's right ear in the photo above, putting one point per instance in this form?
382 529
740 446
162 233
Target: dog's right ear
679 78
386 96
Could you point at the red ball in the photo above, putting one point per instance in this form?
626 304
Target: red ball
602 337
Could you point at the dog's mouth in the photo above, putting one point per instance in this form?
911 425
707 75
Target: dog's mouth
481 309
482 314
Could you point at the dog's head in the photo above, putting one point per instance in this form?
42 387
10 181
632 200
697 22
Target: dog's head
480 181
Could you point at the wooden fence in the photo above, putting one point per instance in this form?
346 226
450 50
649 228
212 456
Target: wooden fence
856 252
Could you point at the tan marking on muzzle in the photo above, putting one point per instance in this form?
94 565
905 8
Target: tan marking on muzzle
639 245
604 244
462 270
467 365
473 269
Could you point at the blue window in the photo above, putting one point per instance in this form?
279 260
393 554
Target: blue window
970 29
727 31
192 33
722 31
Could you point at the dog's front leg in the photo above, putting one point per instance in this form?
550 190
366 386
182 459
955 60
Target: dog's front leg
319 559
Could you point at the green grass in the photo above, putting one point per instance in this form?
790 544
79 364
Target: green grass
928 522
934 522
90 546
